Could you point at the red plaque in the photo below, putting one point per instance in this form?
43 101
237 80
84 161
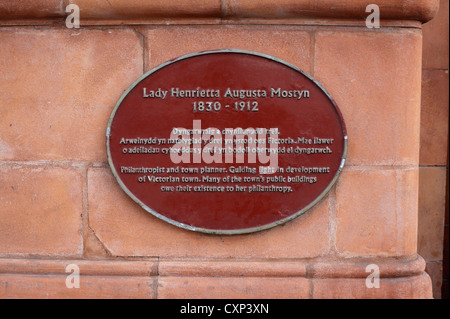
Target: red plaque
226 142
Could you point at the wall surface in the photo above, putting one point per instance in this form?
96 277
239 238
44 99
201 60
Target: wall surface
60 204
433 194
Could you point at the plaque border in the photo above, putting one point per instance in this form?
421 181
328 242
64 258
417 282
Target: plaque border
225 231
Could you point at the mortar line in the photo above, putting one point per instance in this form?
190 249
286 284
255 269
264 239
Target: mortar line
312 53
144 43
172 23
155 281
84 210
332 250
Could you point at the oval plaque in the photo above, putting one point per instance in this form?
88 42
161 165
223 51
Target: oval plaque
226 142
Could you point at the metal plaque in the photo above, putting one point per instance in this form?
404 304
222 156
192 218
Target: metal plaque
226 142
